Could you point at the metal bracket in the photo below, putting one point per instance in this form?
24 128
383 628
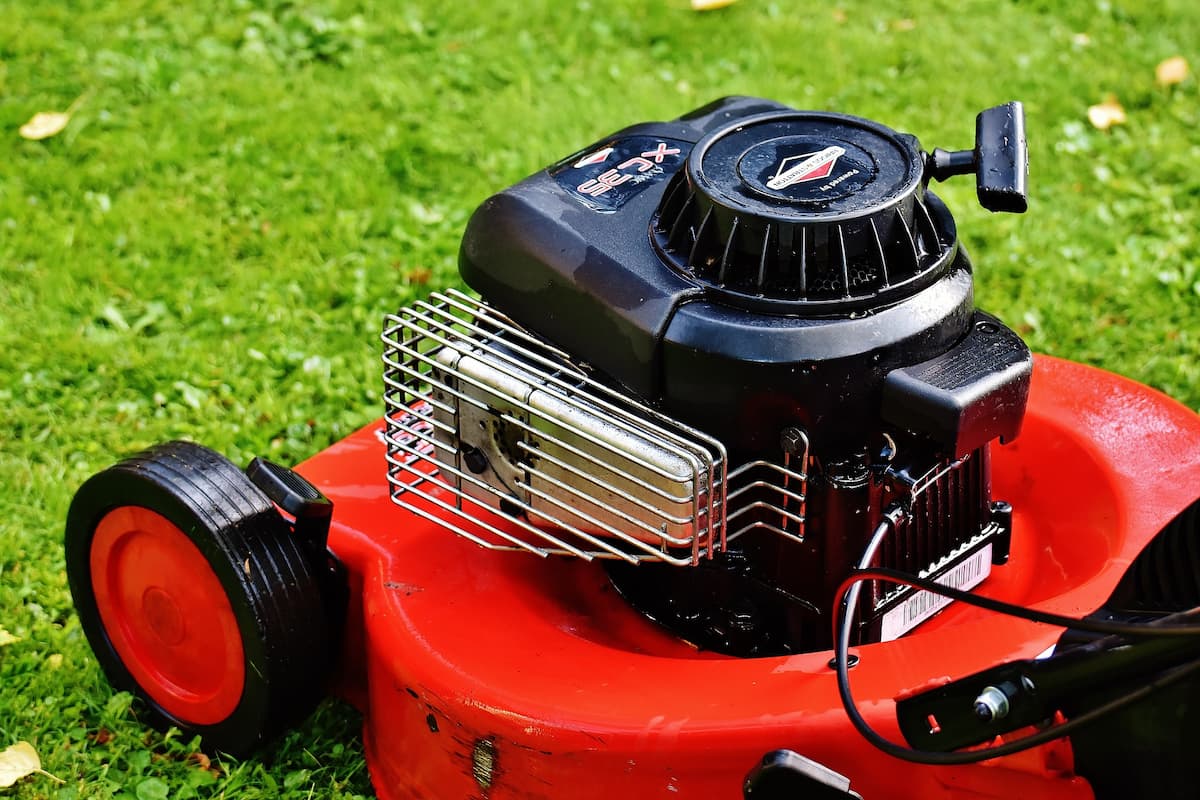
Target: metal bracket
787 775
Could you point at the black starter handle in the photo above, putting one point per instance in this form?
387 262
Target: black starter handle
1000 159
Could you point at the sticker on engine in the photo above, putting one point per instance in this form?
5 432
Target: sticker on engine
608 175
921 606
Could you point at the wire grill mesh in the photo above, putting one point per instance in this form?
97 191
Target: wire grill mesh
767 496
500 438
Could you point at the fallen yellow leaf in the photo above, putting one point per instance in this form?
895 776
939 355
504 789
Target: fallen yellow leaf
7 638
18 761
1105 115
709 5
44 124
1171 71
54 660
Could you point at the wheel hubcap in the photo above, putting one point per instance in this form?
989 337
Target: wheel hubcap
167 615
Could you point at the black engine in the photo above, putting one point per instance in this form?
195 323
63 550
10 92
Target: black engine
783 281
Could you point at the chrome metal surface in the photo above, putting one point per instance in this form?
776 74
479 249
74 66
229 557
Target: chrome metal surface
501 438
768 496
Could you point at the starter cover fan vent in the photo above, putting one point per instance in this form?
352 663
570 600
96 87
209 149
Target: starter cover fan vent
825 212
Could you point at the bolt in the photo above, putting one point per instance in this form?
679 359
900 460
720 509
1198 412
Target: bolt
991 705
792 440
742 621
474 459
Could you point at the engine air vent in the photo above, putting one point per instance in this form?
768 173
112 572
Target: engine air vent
825 212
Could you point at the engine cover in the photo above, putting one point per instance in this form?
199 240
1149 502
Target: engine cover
796 255
769 277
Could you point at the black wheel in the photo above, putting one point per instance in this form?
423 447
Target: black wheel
195 595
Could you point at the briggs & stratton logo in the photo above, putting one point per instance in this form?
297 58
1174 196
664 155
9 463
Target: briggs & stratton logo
811 167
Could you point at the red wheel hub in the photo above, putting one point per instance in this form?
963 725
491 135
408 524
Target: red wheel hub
167 615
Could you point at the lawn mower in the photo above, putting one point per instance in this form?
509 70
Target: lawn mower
716 485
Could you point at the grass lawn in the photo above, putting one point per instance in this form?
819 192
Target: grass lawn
207 249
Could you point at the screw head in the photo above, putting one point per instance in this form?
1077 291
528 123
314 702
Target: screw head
792 440
474 459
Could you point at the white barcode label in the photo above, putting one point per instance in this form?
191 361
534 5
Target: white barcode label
922 605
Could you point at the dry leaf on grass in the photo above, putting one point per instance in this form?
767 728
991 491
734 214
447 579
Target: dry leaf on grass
7 638
1105 115
20 761
205 763
1171 71
709 5
44 124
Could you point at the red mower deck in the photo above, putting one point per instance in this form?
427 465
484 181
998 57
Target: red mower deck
486 675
